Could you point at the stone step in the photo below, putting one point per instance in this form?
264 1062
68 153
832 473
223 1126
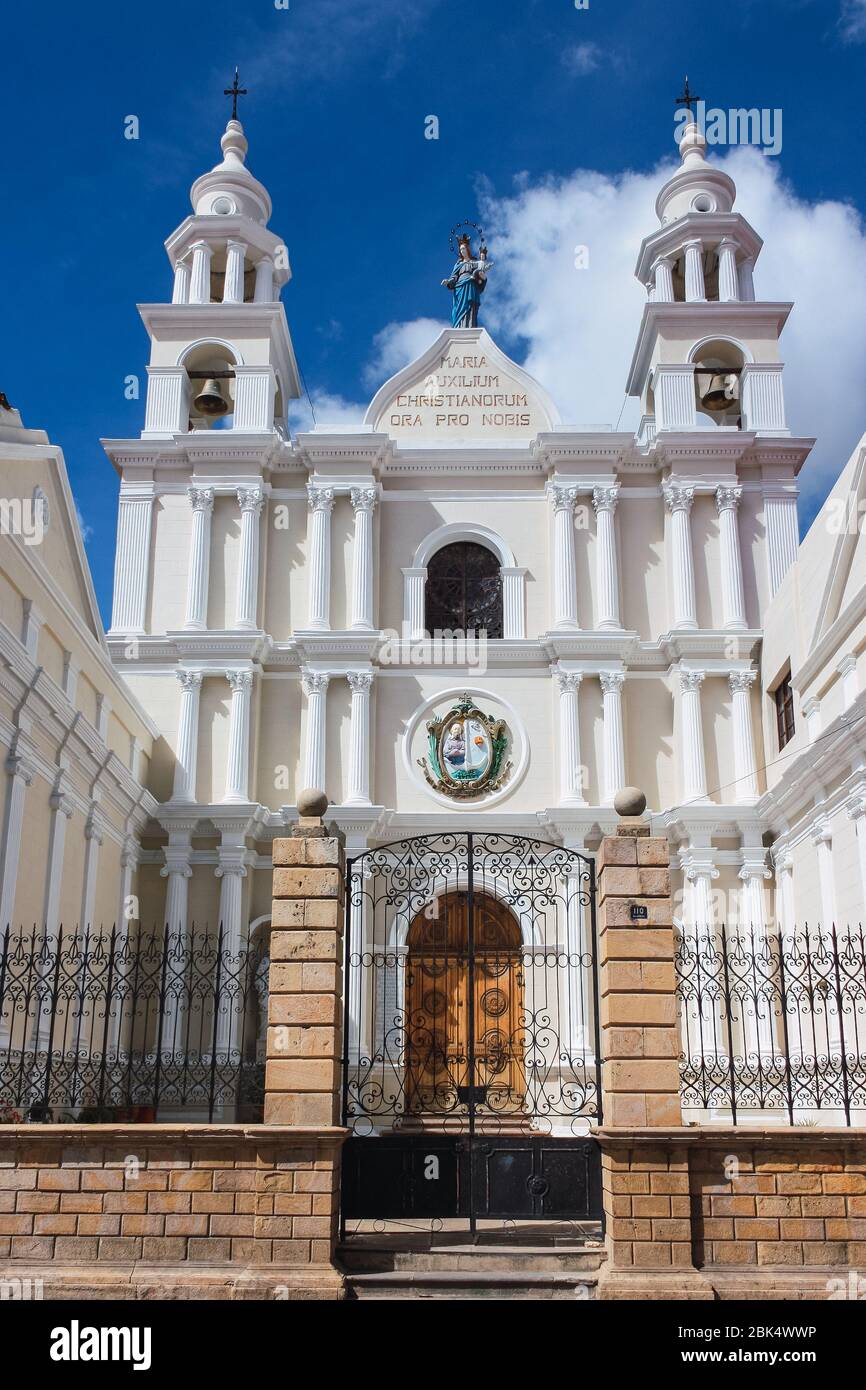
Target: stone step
475 1259
451 1284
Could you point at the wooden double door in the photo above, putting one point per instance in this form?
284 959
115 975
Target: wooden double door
465 1009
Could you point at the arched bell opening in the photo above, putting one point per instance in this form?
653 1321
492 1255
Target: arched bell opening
718 369
465 1008
210 368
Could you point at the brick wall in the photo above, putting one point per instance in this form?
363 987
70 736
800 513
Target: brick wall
200 1196
735 1202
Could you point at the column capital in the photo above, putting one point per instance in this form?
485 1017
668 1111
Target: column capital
783 859
314 682
360 682
567 680
604 499
741 680
752 868
856 804
320 499
251 499
728 498
364 499
93 828
17 766
201 498
611 681
693 244
821 832
678 496
729 242
691 680
667 259
239 680
189 680
693 869
233 243
563 497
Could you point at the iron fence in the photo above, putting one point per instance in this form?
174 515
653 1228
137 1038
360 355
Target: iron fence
131 1025
773 1021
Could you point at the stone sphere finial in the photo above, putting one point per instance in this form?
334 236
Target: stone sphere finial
629 801
312 802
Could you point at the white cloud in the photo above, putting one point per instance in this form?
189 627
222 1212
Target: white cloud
331 412
84 527
852 21
582 58
580 326
396 345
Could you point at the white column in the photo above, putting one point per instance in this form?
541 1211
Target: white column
358 793
753 907
186 754
692 736
201 501
19 776
747 284
180 290
233 286
363 505
315 686
564 566
199 288
571 788
61 813
783 863
251 501
757 1022
694 257
811 711
132 558
321 503
604 500
780 521
414 581
238 760
513 602
847 669
856 808
663 281
733 600
822 839
614 748
93 837
264 290
745 768
678 501
231 871
128 867
729 289
177 872
700 873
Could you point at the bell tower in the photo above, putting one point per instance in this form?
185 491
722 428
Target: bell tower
708 350
221 352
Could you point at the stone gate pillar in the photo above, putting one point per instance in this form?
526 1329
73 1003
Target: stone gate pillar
297 1204
640 1043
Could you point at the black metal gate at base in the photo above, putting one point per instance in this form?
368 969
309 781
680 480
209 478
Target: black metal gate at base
437 1177
471 1031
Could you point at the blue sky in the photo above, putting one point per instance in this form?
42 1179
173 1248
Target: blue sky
526 94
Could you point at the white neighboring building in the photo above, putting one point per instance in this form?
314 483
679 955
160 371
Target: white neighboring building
814 666
77 745
260 579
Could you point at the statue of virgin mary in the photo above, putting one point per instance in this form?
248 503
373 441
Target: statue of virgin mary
467 282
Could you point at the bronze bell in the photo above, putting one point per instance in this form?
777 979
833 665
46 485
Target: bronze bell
721 392
210 400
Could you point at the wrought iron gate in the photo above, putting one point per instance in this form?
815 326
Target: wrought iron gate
470 1079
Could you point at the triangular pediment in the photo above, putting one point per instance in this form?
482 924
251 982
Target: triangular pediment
462 389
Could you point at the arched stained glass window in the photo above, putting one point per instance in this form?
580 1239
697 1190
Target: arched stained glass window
464 590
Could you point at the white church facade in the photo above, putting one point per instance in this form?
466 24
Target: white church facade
274 595
462 616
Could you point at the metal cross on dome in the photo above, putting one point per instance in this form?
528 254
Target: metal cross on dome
234 91
687 98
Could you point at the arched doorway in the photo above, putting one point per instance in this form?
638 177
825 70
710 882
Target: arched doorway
464 1008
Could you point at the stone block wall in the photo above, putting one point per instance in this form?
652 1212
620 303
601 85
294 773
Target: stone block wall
734 1211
